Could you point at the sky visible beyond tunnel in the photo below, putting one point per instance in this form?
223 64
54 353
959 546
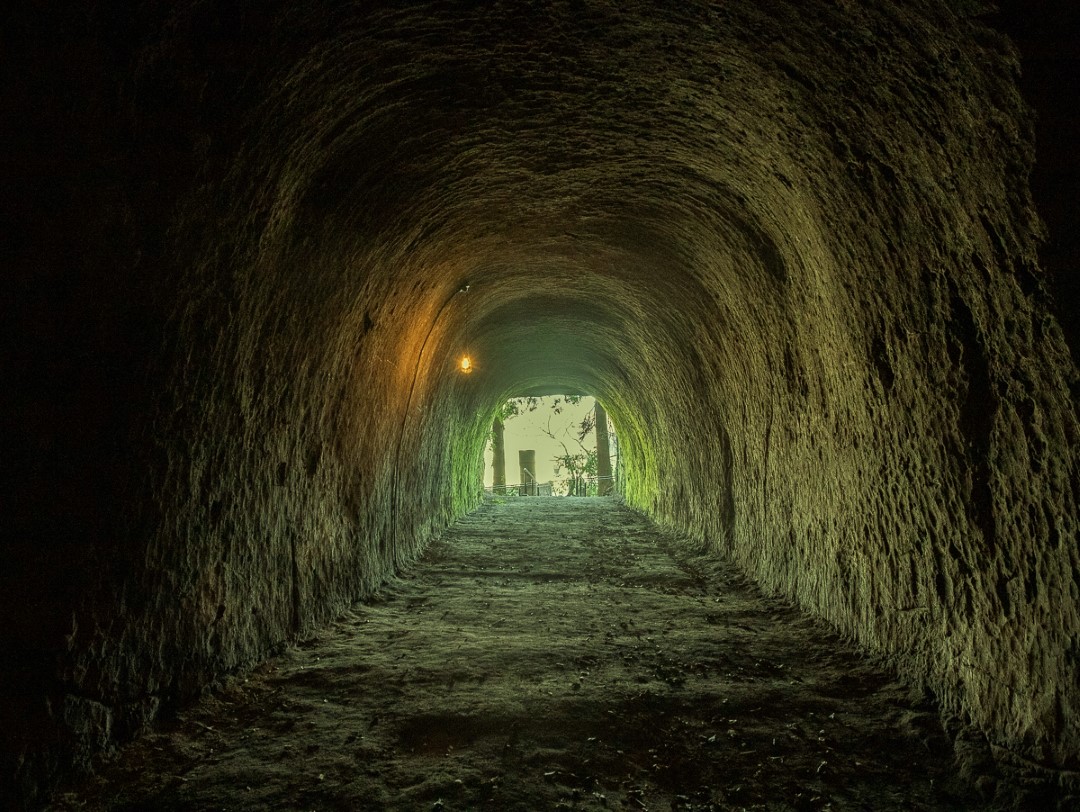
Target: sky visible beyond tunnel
528 431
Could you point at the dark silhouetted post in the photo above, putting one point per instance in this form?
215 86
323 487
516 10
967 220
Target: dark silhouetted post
527 463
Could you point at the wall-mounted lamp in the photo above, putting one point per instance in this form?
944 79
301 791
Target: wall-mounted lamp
465 365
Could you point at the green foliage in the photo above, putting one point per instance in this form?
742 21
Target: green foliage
516 406
519 406
580 467
511 408
570 400
585 428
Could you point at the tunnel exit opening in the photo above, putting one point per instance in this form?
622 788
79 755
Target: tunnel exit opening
552 445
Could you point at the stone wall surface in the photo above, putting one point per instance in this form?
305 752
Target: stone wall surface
790 245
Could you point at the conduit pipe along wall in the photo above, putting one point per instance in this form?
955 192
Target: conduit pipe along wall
790 245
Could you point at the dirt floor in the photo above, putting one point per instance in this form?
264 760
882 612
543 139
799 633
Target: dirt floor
553 654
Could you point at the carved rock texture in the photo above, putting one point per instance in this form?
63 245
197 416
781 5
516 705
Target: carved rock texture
790 245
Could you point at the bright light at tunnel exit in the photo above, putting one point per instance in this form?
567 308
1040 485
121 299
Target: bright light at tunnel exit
466 365
550 434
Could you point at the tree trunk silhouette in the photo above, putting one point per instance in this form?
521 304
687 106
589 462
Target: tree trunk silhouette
603 453
498 461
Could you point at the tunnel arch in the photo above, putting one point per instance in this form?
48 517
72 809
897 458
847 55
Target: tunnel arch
800 236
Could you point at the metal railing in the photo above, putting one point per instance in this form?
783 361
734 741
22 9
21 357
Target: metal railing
570 486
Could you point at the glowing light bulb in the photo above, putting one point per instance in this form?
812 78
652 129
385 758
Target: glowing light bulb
466 365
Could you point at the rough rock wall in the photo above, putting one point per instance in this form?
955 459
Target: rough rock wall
789 245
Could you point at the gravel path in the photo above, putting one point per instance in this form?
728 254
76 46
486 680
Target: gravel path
552 654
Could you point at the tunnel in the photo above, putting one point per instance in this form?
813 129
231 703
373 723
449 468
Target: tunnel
812 256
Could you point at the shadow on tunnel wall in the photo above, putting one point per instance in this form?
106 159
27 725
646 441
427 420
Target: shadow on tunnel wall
801 236
1045 34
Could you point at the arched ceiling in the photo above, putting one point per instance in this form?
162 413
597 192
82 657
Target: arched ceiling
790 245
